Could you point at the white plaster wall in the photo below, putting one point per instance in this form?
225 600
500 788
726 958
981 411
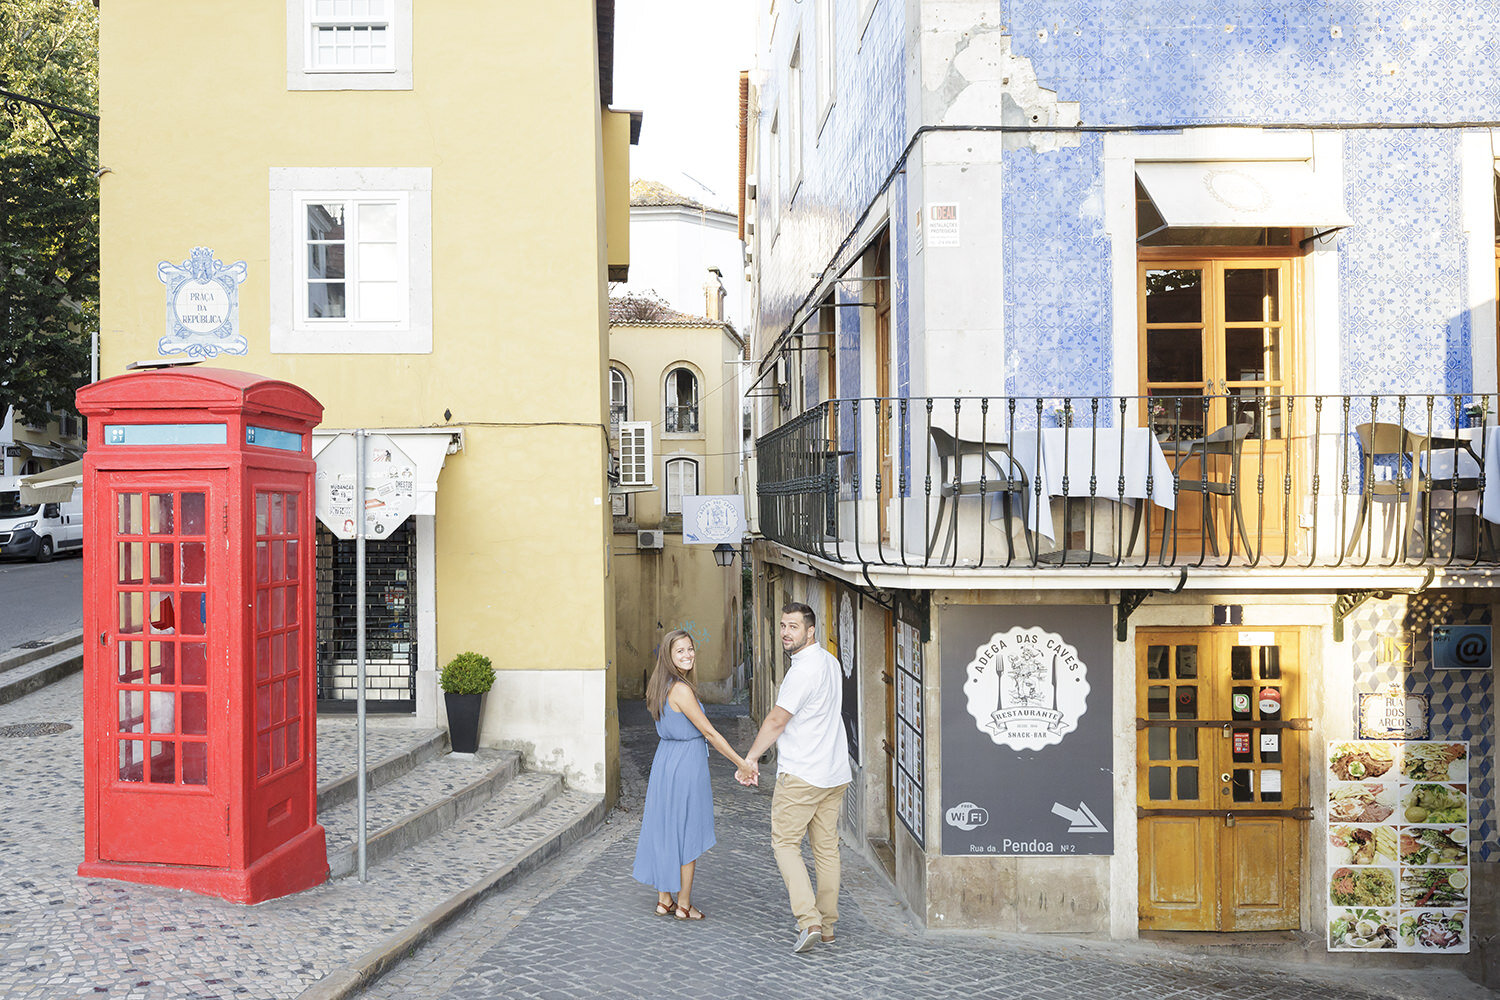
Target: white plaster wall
671 250
556 718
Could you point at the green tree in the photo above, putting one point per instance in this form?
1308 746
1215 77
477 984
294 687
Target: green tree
49 200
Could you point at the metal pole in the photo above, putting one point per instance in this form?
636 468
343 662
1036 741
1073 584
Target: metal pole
359 636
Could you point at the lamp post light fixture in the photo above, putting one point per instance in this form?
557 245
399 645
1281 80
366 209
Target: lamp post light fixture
724 554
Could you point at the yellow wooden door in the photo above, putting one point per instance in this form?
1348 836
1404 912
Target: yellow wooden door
1221 779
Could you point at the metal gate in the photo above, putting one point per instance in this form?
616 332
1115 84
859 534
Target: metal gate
390 623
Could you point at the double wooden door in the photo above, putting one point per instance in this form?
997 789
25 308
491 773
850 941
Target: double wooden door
1221 779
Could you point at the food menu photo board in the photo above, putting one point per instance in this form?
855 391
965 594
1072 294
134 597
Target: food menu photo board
1398 846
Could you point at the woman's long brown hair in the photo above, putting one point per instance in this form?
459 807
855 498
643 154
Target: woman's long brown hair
665 672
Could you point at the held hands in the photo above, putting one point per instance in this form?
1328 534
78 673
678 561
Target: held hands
748 774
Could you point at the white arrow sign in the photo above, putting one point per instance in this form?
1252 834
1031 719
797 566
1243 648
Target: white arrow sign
1080 820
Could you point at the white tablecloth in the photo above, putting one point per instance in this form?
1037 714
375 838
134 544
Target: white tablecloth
1082 453
1485 442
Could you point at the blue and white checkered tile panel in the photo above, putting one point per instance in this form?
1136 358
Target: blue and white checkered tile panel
1392 644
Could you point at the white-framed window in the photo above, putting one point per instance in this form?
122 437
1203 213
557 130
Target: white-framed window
681 402
794 118
619 399
635 453
348 44
682 481
827 71
351 260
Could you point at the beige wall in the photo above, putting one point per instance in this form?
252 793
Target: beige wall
196 112
678 586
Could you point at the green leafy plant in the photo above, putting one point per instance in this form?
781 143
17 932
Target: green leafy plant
467 673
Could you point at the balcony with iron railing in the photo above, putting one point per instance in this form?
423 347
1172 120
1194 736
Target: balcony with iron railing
1241 481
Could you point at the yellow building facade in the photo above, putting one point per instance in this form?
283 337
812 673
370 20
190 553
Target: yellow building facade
679 374
415 205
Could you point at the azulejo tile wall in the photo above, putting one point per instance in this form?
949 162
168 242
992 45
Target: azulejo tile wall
1461 702
1402 266
1160 62
1057 275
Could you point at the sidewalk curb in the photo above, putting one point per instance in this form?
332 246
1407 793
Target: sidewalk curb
379 960
36 668
20 657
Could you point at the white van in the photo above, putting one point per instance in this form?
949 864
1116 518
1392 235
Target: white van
38 531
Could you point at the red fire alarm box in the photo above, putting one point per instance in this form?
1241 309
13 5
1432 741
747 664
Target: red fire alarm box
199 670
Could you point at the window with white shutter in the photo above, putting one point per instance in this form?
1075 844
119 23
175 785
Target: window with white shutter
682 481
635 453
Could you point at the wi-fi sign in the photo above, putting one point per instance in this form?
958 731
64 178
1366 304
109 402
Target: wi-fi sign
1461 647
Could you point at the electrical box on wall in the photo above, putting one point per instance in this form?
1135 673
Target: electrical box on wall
652 539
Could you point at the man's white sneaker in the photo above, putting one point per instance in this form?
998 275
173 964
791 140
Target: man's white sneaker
806 940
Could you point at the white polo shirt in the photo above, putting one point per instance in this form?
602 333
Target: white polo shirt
813 746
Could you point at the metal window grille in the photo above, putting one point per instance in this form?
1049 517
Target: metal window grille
390 623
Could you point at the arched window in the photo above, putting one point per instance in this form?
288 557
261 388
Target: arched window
682 481
619 399
682 402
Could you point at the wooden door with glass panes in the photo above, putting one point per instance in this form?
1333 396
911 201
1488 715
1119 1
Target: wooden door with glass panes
1221 779
1217 344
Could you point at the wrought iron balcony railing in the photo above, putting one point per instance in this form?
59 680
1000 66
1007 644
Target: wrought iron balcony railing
1248 478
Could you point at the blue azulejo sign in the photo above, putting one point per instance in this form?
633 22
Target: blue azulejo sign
203 306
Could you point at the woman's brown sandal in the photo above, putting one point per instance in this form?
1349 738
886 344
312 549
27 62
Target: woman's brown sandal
665 909
689 912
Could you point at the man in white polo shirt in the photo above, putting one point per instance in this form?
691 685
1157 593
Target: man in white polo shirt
812 751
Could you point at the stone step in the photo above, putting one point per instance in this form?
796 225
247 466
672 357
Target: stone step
410 807
24 671
429 745
530 822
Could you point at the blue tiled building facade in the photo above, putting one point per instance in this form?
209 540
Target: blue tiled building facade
966 212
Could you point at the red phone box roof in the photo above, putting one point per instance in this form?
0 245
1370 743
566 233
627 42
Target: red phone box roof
210 389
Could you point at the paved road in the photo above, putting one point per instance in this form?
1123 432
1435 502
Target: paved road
583 927
40 600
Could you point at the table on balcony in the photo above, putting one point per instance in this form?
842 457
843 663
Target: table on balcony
1053 455
1470 446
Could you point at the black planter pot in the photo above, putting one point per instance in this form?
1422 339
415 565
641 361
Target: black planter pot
463 720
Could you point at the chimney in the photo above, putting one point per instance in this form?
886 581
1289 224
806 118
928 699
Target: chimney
714 296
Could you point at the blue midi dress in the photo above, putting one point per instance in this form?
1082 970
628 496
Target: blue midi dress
677 823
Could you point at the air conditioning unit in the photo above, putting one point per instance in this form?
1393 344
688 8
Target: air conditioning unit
650 539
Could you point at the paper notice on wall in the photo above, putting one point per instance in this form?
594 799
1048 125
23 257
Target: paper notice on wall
942 225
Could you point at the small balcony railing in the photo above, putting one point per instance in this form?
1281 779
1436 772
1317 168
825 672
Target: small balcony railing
1247 478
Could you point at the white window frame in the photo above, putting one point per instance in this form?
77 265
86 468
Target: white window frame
668 402
291 330
624 403
303 74
635 453
794 119
827 61
672 501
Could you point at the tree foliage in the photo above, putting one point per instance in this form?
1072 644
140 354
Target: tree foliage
49 201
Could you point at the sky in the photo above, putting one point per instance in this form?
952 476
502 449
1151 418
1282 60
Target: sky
679 62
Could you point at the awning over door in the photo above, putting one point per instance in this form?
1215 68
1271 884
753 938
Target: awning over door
54 485
1193 194
54 452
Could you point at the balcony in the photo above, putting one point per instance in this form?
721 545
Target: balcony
1247 480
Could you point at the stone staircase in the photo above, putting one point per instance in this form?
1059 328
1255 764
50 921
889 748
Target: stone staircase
34 665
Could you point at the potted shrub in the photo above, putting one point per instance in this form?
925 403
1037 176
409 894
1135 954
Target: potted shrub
464 681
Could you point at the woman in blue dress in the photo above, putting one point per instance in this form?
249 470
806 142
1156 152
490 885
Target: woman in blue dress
677 824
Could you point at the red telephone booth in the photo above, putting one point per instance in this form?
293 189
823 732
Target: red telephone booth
199 687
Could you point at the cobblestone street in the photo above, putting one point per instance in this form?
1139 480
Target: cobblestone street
583 927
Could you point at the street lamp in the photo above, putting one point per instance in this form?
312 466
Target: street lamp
724 554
